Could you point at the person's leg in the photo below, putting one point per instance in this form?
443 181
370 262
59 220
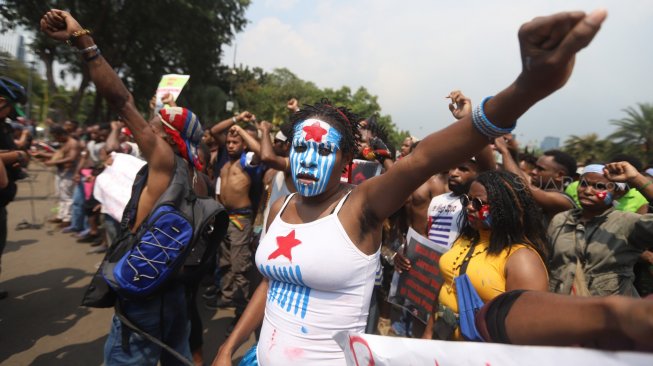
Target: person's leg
66 187
77 212
241 263
176 325
163 317
195 339
225 270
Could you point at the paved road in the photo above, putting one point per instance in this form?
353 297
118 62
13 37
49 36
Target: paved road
46 273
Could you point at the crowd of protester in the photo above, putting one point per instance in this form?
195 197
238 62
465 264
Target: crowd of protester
518 225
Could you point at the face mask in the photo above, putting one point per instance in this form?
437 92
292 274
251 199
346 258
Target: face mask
313 156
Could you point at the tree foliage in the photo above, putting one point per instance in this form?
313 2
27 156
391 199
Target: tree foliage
266 95
142 40
635 131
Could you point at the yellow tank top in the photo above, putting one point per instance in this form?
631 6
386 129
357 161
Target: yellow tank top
486 271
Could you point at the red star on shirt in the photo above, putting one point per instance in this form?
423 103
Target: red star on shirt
314 132
285 244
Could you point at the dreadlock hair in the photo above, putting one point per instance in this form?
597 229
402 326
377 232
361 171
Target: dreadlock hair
516 218
341 118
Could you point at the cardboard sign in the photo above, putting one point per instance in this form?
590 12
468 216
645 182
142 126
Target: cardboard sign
367 350
417 290
171 83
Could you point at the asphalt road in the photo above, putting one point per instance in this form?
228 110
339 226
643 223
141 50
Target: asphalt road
46 273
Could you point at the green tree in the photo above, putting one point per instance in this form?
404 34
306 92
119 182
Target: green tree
142 40
635 131
587 148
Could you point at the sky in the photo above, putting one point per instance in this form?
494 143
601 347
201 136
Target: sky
412 53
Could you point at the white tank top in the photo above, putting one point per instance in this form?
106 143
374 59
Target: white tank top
319 283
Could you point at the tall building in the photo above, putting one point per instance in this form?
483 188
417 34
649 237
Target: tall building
550 143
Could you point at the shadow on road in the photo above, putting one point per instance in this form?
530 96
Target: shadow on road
39 305
13 246
90 353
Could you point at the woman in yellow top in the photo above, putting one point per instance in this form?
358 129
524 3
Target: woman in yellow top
500 248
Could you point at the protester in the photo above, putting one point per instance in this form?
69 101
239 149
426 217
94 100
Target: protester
65 159
501 246
234 188
12 95
169 141
553 170
329 222
595 247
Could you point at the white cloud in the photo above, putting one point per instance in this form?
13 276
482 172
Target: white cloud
411 54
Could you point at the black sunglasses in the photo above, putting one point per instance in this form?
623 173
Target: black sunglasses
477 203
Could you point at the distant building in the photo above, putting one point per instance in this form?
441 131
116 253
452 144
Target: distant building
20 49
550 143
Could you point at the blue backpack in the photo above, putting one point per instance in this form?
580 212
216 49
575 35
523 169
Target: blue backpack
173 235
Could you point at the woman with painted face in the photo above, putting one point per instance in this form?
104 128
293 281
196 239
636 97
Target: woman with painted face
595 247
500 248
321 251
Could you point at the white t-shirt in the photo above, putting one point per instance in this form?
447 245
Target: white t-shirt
444 214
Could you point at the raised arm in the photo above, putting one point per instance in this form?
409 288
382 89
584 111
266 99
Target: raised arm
550 202
223 126
113 140
548 48
268 156
461 107
626 173
61 26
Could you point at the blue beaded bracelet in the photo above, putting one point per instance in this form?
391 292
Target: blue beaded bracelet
483 124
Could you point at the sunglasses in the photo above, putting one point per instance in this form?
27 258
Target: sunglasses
597 186
477 203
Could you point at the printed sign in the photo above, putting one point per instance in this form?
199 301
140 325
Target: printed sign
417 290
171 83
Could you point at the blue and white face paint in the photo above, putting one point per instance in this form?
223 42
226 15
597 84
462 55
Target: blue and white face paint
313 156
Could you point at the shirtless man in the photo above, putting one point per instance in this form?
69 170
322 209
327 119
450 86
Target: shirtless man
65 159
236 178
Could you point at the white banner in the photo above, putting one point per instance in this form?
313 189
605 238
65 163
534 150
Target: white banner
113 187
373 350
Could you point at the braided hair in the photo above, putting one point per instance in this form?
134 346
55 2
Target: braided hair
341 118
516 218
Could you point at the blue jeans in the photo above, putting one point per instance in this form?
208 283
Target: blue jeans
163 317
78 220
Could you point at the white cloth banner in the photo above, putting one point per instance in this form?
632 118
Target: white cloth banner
374 350
113 187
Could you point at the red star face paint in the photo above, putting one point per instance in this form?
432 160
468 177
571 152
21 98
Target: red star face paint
313 155
605 196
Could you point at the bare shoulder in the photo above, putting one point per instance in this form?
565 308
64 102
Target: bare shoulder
525 269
